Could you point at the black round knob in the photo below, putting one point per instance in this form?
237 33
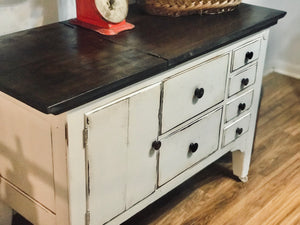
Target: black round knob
156 145
242 106
193 147
199 92
248 56
245 81
239 131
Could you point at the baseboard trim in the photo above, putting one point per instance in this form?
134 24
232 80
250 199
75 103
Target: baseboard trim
287 73
288 69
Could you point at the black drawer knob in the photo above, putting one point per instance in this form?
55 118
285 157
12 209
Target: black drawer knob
245 81
199 92
242 106
193 147
156 145
248 56
239 131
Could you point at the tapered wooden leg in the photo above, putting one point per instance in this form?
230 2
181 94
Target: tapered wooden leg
241 163
5 214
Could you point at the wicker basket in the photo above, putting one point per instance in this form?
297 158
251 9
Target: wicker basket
187 7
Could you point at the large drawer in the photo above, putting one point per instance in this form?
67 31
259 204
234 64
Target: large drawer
179 151
193 91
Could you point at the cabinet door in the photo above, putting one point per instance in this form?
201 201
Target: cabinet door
107 161
143 130
121 161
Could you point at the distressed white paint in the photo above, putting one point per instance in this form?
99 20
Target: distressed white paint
230 133
239 54
26 152
121 161
33 163
142 158
179 101
235 82
107 161
175 155
232 107
241 159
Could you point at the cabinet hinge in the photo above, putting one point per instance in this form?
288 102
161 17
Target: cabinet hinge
85 137
87 218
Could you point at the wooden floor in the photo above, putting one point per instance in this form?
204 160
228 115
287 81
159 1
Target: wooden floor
272 194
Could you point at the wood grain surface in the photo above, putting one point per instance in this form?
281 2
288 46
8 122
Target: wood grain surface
272 194
58 67
183 38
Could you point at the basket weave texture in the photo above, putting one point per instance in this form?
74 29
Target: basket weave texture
187 7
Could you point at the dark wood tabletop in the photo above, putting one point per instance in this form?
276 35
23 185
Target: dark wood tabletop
58 67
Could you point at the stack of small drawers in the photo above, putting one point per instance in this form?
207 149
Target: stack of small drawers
240 91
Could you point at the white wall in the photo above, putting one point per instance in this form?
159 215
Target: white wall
283 54
16 15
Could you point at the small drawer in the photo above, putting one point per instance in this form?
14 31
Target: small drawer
242 80
193 91
189 145
236 129
245 55
238 106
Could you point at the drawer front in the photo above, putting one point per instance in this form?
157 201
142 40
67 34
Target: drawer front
178 152
242 80
236 129
245 55
239 105
193 91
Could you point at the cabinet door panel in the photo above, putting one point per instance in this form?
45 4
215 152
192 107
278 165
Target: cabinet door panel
143 130
107 159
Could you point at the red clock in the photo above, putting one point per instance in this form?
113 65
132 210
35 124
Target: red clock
104 16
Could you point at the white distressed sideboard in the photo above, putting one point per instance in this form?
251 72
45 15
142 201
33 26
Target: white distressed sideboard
103 161
156 134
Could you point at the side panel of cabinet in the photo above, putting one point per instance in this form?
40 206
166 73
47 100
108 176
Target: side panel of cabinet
107 160
26 153
143 130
